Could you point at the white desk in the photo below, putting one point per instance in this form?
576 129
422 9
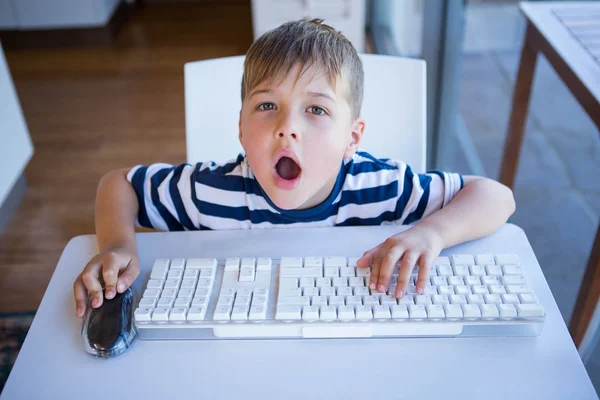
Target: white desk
52 363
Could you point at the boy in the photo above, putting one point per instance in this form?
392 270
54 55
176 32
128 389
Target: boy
300 128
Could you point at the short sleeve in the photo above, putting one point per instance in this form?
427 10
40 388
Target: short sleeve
164 194
420 195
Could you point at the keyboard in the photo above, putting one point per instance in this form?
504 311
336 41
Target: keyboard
327 297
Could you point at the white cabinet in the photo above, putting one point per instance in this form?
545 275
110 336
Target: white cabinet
15 145
347 16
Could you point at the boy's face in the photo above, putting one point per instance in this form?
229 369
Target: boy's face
295 135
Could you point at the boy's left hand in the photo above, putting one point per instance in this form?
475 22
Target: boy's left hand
419 245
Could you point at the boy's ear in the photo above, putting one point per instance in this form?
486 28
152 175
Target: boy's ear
240 128
358 128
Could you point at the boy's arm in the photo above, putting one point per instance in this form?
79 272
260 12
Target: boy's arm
117 262
480 208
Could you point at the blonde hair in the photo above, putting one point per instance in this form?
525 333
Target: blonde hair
307 43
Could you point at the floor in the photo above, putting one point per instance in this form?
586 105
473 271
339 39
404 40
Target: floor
557 188
90 110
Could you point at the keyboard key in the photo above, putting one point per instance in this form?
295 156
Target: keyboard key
507 311
143 314
155 284
435 311
347 272
160 269
489 280
471 311
328 313
196 313
327 291
204 282
148 302
370 300
263 264
364 312
313 262
323 282
479 289
222 313
439 281
177 263
336 300
507 259
344 291
200 301
319 301
455 280
497 289
161 314
335 262
244 292
166 302
207 273
175 274
337 282
225 301
381 312
493 270
232 264
172 284
430 290
188 283
388 300
356 281
423 299
244 301
261 292
528 299
453 311
445 270
519 289
512 270
361 291
440 299
510 299
492 299
203 292
458 299
417 312
294 272
477 270
285 283
462 289
191 274
259 300
363 272
310 291
310 313
354 300
345 313
169 293
332 272
198 263
239 313
461 270
484 259
514 280
399 311
307 282
462 259
246 274
178 314
528 310
257 313
185 292
489 311
447 290
472 280
294 300
183 302
408 299
475 299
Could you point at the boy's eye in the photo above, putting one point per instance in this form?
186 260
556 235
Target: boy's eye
266 106
316 110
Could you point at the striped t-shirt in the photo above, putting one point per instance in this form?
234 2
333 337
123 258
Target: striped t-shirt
207 195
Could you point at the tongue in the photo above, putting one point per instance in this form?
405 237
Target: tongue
287 168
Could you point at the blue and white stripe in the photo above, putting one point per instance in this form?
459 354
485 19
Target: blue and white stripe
368 191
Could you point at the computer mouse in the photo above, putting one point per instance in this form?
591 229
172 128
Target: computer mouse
108 330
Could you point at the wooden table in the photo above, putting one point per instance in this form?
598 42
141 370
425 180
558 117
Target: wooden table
568 35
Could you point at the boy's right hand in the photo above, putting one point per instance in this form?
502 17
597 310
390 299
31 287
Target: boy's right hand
119 268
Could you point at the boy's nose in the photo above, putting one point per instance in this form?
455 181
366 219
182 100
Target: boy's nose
292 135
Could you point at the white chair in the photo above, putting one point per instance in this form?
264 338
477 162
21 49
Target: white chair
394 108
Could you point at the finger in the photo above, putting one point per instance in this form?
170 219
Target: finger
110 272
128 276
89 277
80 293
368 259
388 262
374 272
408 262
425 262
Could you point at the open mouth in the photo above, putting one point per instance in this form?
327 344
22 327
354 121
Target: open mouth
287 168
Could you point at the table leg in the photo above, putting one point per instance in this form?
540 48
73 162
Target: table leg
589 293
520 106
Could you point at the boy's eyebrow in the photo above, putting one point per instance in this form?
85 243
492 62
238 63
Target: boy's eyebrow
259 91
319 94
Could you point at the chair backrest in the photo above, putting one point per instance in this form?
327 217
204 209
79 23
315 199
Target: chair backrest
393 107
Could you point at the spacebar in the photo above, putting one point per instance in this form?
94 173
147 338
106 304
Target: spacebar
337 331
